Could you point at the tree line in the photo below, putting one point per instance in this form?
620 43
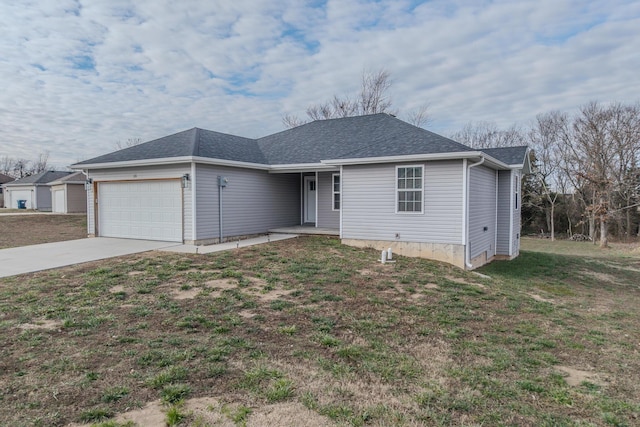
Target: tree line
586 169
21 167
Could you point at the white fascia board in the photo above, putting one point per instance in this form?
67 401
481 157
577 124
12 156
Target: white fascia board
170 161
302 167
130 163
407 158
232 163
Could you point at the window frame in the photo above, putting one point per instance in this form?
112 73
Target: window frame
420 190
334 192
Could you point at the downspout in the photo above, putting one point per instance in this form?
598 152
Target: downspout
220 207
341 199
194 205
495 227
467 260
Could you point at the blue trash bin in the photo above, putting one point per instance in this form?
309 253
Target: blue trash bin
22 204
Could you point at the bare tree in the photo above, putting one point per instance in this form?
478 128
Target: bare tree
546 136
6 165
373 98
589 156
373 94
130 142
420 116
21 168
41 164
484 134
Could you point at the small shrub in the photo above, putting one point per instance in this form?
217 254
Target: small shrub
173 394
174 416
96 414
114 394
281 390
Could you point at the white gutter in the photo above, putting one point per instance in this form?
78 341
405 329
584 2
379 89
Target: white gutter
171 160
467 251
324 165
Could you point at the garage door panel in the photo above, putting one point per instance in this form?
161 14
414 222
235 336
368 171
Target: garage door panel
58 201
141 210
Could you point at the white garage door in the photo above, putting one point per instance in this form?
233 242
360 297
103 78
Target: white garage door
149 210
20 195
58 201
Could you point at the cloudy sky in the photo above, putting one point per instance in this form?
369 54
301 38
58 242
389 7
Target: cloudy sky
80 75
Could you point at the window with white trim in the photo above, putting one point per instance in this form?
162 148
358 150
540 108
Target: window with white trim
517 192
409 188
335 190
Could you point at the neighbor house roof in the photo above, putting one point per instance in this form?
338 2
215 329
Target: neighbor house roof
73 178
372 136
5 178
40 178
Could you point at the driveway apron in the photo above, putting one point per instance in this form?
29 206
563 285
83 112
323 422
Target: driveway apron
29 259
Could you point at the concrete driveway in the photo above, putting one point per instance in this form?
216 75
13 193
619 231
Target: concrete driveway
28 259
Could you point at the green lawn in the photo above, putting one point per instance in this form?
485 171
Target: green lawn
308 329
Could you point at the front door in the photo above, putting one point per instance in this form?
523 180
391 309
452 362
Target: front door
310 199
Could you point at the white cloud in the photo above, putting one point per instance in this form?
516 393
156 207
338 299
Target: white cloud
81 75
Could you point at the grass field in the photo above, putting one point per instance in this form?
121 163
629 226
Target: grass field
24 230
308 331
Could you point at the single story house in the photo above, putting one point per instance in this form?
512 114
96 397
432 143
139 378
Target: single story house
34 189
3 180
374 180
68 194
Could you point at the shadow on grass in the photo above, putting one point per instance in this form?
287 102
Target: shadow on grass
533 265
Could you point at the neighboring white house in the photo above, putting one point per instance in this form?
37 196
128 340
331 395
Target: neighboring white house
3 180
35 190
68 194
374 180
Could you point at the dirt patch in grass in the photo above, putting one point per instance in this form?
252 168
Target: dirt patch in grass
541 299
576 377
289 414
602 277
44 324
24 230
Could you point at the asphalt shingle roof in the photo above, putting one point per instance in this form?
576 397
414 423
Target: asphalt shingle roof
40 178
192 142
74 178
375 135
5 178
508 155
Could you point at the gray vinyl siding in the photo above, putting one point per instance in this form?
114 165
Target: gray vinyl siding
76 198
369 204
253 201
327 217
515 234
141 173
43 198
482 211
504 213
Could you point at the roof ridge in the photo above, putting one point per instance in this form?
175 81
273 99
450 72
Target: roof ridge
195 148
